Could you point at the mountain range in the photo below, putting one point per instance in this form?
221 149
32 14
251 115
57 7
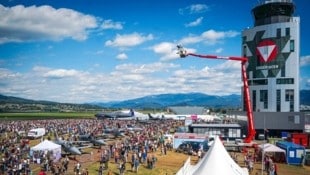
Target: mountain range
165 100
155 101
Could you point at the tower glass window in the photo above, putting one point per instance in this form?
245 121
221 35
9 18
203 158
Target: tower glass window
292 45
287 31
263 97
279 33
244 51
278 100
289 95
254 99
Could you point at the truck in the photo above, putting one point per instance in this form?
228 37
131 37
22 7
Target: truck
36 133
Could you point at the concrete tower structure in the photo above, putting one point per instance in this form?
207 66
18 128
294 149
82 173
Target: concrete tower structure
272 47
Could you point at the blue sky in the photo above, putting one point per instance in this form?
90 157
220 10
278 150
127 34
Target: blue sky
102 50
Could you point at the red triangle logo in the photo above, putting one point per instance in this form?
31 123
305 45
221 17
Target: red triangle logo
266 51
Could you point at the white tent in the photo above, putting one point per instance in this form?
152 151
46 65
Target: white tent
277 153
47 146
267 147
217 161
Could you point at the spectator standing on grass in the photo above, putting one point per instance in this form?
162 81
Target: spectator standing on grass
165 149
275 169
144 156
149 162
271 170
100 170
250 165
77 168
154 159
42 172
136 165
122 167
267 163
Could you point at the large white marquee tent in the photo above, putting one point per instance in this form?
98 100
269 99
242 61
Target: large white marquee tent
47 145
217 161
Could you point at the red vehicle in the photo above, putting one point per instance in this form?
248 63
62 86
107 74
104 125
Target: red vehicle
251 130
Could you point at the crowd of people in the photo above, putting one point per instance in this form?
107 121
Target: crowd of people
134 149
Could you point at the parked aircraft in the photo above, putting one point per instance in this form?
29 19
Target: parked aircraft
133 128
90 138
122 115
112 133
67 146
163 116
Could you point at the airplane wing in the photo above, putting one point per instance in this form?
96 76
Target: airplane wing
83 147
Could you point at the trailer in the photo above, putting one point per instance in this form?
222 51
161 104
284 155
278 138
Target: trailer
36 133
295 154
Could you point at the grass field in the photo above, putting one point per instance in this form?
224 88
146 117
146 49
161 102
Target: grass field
169 165
166 165
46 115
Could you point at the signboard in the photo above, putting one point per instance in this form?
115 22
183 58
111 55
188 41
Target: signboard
188 121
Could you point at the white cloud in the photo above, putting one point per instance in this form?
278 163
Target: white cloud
126 81
20 24
210 80
7 74
128 40
193 9
305 60
197 22
219 50
122 56
109 24
60 73
209 37
145 68
198 8
190 40
212 36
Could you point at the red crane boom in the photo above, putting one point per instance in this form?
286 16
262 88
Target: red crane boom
251 130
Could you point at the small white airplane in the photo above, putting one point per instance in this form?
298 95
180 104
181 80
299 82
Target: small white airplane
122 115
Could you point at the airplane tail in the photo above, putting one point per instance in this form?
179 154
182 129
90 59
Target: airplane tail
155 118
80 130
132 112
150 116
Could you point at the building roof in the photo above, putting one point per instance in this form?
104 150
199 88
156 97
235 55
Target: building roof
187 110
216 125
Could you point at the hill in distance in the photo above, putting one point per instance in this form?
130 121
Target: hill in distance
166 100
152 101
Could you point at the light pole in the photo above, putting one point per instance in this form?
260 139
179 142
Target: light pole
263 151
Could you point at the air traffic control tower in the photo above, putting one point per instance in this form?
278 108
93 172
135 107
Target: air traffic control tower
272 47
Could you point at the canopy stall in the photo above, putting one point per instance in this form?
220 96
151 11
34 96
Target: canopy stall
47 145
275 152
